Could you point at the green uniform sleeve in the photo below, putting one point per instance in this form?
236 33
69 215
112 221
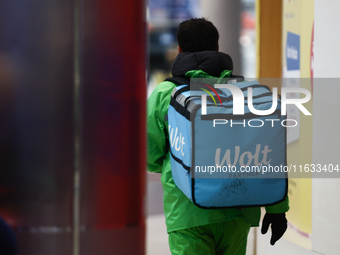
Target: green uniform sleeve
157 108
279 208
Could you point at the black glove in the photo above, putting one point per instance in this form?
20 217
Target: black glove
279 225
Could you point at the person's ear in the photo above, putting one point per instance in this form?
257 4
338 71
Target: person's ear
179 49
218 47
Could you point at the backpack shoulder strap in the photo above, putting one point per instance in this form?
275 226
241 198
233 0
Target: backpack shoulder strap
179 80
237 77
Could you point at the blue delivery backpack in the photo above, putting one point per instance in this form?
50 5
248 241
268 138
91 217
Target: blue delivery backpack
224 160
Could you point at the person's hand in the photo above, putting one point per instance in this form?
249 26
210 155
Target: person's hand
279 225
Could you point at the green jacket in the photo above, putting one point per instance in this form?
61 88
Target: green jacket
180 212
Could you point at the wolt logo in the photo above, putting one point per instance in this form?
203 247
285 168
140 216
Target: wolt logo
238 100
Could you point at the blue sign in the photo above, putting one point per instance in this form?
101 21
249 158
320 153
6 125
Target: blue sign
293 51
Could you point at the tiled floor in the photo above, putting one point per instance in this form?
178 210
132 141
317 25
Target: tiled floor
157 237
